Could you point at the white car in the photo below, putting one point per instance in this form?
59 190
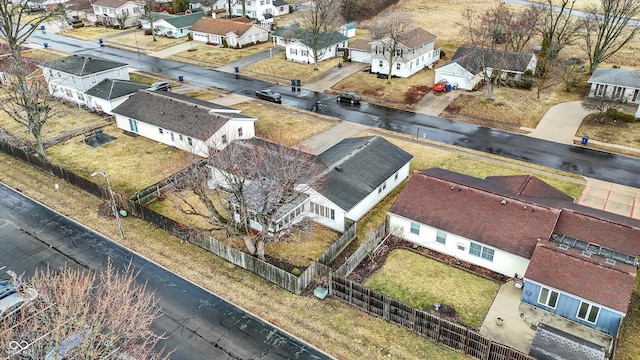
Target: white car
12 304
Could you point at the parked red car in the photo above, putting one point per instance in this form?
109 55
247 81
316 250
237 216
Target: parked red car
440 86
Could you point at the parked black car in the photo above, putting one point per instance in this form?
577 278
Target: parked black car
35 10
269 95
160 86
349 97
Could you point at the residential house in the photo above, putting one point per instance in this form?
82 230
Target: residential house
359 173
617 84
71 77
256 8
521 227
234 33
470 64
176 26
109 93
412 55
360 50
206 6
113 12
186 123
145 22
297 43
348 30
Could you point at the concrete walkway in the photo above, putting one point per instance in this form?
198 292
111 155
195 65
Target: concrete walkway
326 139
435 103
561 122
165 53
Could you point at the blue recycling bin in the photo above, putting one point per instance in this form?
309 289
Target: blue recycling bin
181 78
447 88
585 140
42 28
236 69
46 45
293 82
101 42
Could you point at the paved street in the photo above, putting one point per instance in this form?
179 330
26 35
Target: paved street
199 324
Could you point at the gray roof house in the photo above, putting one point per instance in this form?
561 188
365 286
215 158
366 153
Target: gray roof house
72 76
468 64
359 173
176 26
109 93
618 84
186 123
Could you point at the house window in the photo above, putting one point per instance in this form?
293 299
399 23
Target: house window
239 11
160 131
548 297
382 187
133 125
80 96
93 79
601 89
261 2
619 91
136 10
441 237
293 51
323 211
588 312
380 63
118 72
190 141
239 132
172 137
395 177
58 73
180 137
481 251
224 138
635 95
125 12
304 52
68 92
461 246
398 66
112 11
415 228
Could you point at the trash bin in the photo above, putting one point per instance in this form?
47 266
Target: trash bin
298 82
46 45
101 42
447 88
180 78
42 28
293 82
236 69
585 140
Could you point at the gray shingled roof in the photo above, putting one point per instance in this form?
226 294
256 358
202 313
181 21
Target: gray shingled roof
364 163
220 109
304 36
82 65
472 59
181 116
552 344
279 3
109 89
618 77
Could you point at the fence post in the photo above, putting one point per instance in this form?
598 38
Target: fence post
486 356
350 292
439 327
330 283
387 306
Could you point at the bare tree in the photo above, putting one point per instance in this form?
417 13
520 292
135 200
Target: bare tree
547 71
607 28
520 27
106 315
391 30
570 75
319 23
601 104
122 17
267 183
558 28
149 14
29 110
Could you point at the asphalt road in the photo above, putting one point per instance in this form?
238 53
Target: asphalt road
199 325
579 160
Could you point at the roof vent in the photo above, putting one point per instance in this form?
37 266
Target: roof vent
453 187
611 262
503 202
525 207
338 168
564 246
587 254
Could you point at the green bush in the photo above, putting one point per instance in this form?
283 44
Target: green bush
615 114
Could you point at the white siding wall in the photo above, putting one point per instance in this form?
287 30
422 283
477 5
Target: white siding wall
299 52
631 95
456 74
230 129
503 262
336 224
362 56
58 81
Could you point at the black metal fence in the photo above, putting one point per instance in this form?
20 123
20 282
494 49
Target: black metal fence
432 327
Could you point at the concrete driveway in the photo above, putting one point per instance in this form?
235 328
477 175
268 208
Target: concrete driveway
561 122
435 103
614 198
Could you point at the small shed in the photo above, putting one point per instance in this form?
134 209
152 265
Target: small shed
348 30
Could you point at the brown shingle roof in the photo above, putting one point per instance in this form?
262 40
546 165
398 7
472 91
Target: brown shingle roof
529 186
360 44
220 26
416 37
111 3
459 204
569 271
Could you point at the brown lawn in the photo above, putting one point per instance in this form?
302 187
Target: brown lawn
218 55
278 66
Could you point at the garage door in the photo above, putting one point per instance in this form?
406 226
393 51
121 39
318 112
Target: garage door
200 37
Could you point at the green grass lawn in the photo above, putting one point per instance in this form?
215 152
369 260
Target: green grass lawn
420 282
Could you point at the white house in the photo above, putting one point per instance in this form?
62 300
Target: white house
296 42
360 50
234 33
521 227
256 8
617 84
109 93
348 30
176 26
146 24
412 55
186 123
467 66
112 12
72 76
359 173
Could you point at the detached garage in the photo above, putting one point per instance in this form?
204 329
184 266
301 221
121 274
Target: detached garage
360 50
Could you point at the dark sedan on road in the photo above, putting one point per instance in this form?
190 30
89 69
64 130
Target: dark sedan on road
349 97
269 95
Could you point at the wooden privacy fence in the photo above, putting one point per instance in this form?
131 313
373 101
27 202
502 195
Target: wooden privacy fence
368 246
440 331
330 254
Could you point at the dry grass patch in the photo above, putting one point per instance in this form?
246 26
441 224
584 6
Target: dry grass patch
610 132
43 55
62 118
421 282
368 84
133 163
278 66
303 248
282 125
145 43
218 55
92 32
205 95
628 347
142 78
